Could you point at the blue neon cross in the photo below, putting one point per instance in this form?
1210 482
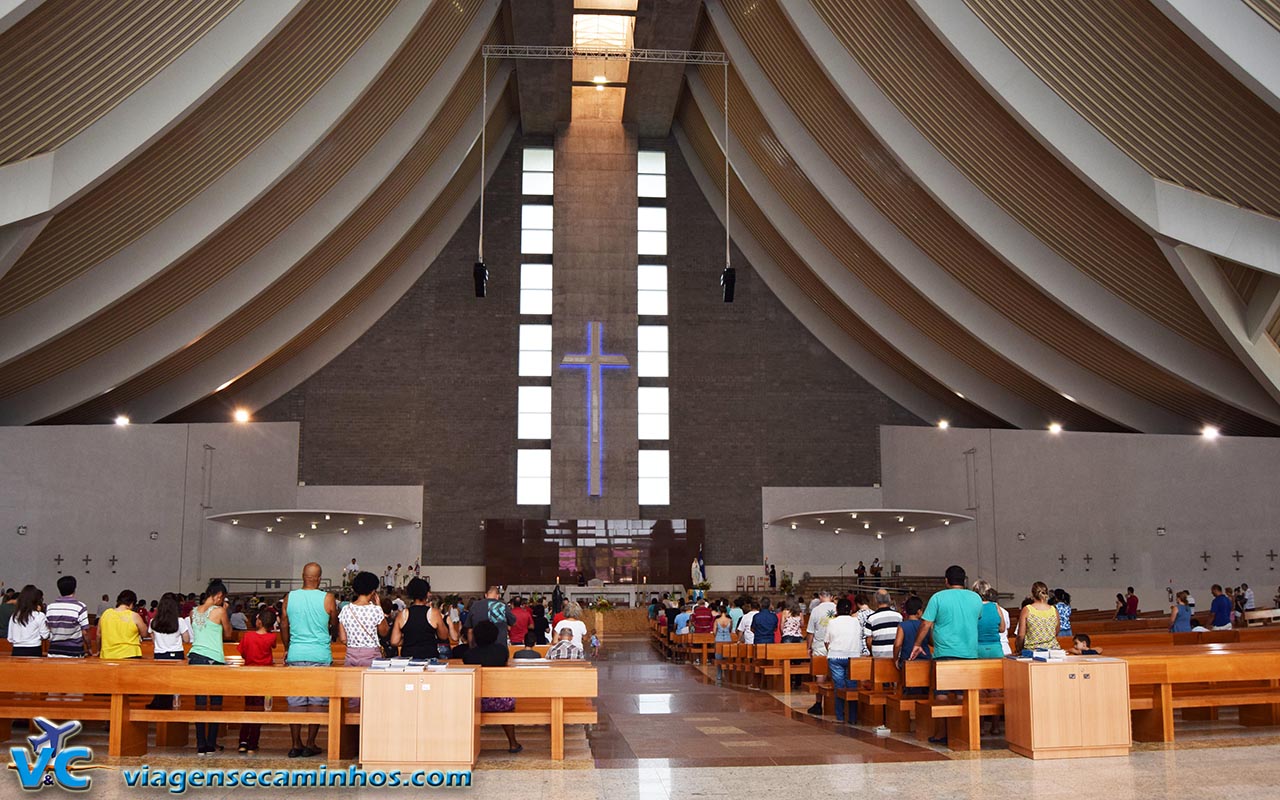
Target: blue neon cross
593 361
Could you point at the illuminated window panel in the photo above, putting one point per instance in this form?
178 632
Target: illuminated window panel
539 167
653 417
533 477
651 290
651 231
535 351
651 351
535 289
535 229
654 470
533 412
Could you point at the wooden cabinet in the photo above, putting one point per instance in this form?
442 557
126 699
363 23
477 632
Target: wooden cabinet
420 720
1067 709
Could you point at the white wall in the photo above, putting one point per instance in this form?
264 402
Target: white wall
1090 493
100 490
803 551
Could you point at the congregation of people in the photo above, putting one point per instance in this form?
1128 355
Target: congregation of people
370 616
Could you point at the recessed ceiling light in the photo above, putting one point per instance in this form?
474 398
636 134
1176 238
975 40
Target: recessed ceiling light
1055 427
326 516
879 535
946 522
866 525
313 526
911 528
837 530
854 515
268 529
794 526
822 522
241 415
235 522
1210 432
302 536
943 424
122 420
900 519
279 519
961 396
359 522
389 526
344 531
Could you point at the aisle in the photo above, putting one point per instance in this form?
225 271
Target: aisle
653 713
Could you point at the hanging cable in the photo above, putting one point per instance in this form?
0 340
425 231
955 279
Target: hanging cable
480 273
728 278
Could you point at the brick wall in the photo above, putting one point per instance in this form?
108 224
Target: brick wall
428 394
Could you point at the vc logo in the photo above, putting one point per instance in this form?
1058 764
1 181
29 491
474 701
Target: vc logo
50 760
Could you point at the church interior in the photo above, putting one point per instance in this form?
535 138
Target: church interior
658 398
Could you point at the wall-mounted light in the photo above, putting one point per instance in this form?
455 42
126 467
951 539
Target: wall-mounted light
122 420
1210 432
1160 531
22 530
1022 537
240 415
1055 427
943 424
154 535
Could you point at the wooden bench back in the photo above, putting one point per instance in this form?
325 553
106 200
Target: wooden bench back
978 673
779 652
885 670
569 679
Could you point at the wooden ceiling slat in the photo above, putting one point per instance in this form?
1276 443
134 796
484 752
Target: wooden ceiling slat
211 140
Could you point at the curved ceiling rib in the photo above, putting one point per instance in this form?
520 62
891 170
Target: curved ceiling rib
785 79
1000 196
348 251
1163 207
67 64
139 107
850 338
272 233
14 11
257 101
395 274
856 273
1134 76
1230 33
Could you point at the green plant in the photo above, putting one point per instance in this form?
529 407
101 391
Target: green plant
785 585
601 604
703 586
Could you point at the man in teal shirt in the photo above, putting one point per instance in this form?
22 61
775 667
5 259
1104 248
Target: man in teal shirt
308 616
952 617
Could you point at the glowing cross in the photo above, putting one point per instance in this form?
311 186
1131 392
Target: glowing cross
594 361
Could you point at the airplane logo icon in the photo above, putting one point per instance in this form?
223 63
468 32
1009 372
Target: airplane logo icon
53 735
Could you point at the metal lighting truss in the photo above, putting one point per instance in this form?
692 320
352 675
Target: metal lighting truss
603 54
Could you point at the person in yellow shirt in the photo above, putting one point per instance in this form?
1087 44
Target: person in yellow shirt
121 629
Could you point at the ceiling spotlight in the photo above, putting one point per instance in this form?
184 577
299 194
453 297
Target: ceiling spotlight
302 536
946 522
235 521
326 516
854 515
794 526
822 522
241 415
389 526
866 526
1210 432
943 424
900 518
1055 427
1068 397
360 522
122 420
911 529
961 396
344 531
599 79
837 530
313 526
268 529
279 519
879 535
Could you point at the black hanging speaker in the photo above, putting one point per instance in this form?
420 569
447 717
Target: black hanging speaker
480 275
727 280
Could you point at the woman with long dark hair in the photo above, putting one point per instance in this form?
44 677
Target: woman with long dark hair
168 632
28 627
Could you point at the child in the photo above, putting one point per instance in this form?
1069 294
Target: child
256 646
1083 646
595 646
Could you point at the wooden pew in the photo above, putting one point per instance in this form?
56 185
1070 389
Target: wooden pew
1160 683
687 644
967 677
899 708
886 680
776 661
515 648
556 695
822 687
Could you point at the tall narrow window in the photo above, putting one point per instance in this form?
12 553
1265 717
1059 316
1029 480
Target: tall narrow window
651 230
535 289
652 173
539 172
651 347
653 404
535 229
535 351
533 412
655 477
651 290
533 399
533 477
653 398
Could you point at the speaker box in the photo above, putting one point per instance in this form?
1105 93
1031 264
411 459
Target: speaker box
480 275
727 280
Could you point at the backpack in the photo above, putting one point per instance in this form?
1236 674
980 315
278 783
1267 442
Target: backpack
498 612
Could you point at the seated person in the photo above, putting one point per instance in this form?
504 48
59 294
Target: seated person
1082 645
528 651
564 648
489 652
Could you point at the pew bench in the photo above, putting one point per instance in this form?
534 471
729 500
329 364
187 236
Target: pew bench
968 678
1160 683
556 695
781 661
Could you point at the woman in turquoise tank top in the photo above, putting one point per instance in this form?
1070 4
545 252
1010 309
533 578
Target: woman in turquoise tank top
210 627
990 623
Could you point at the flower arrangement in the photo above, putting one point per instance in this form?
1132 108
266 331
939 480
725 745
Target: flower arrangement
703 586
601 604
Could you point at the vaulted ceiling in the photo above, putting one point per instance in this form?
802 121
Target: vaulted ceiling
1000 212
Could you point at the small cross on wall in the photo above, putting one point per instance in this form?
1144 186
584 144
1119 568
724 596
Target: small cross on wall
1205 558
58 560
1088 559
1062 559
1237 556
86 561
1115 559
1271 556
112 561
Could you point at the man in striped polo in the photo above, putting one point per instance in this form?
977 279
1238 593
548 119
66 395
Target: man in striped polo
68 620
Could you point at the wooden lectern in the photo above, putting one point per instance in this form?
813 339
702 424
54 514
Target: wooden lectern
420 720
1067 709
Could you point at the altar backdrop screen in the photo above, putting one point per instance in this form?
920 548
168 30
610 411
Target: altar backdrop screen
521 551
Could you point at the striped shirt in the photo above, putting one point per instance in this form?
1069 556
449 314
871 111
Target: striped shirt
68 619
882 627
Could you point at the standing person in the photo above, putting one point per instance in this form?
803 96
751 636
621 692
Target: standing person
882 625
792 623
764 625
490 650
1062 602
210 627
349 572
1221 608
1006 630
745 634
860 571
121 630
541 625
951 618
68 621
773 576
735 612
523 621
1038 623
1130 604
168 632
258 648
419 630
1250 604
362 622
844 640
1121 606
907 634
703 617
28 627
1180 614
492 608
309 615
571 623
724 635
876 570
388 576
819 617
103 605
991 626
